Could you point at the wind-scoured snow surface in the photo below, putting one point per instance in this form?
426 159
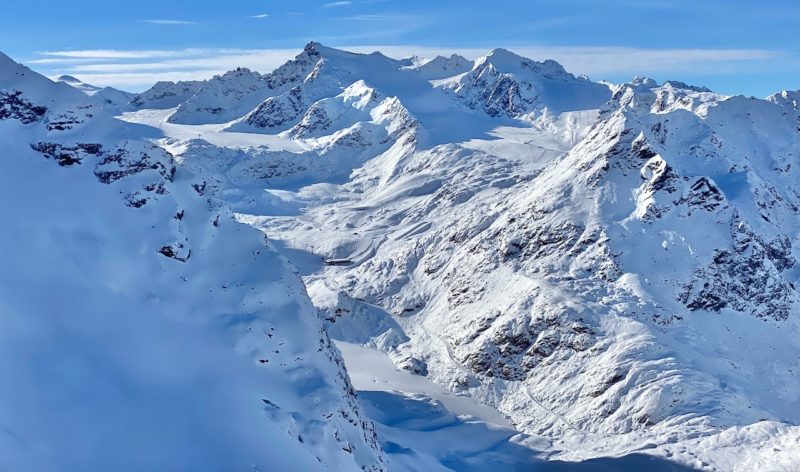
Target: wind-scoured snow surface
612 268
142 327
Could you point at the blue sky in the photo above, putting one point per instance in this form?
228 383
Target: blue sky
732 46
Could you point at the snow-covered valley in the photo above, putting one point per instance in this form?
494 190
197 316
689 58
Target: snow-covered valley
523 270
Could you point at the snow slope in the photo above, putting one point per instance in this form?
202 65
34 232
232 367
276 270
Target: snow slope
112 100
424 427
222 98
88 89
143 327
165 95
441 67
505 84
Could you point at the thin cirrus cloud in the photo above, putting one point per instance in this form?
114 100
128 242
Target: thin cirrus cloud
260 16
337 4
374 17
138 69
106 54
169 22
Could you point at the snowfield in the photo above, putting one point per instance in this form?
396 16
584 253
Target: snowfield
523 270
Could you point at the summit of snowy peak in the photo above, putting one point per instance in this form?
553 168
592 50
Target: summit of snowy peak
14 75
68 79
787 97
645 93
305 64
503 56
319 50
441 67
314 48
357 110
505 84
683 85
320 72
31 97
641 81
113 100
88 89
165 94
412 61
508 62
223 98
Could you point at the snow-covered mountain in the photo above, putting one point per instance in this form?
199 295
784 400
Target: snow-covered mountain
222 98
505 84
143 328
441 67
164 95
108 98
88 89
612 267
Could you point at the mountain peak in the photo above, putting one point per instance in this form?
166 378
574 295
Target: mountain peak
312 47
503 56
441 67
643 81
683 85
78 84
509 62
36 87
316 49
789 98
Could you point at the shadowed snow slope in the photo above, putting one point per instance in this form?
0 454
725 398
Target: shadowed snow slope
144 328
422 427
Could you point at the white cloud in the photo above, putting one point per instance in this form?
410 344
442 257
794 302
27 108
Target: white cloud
128 54
377 17
337 4
261 15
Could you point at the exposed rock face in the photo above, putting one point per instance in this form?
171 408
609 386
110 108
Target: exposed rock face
507 85
166 94
222 98
747 277
14 107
